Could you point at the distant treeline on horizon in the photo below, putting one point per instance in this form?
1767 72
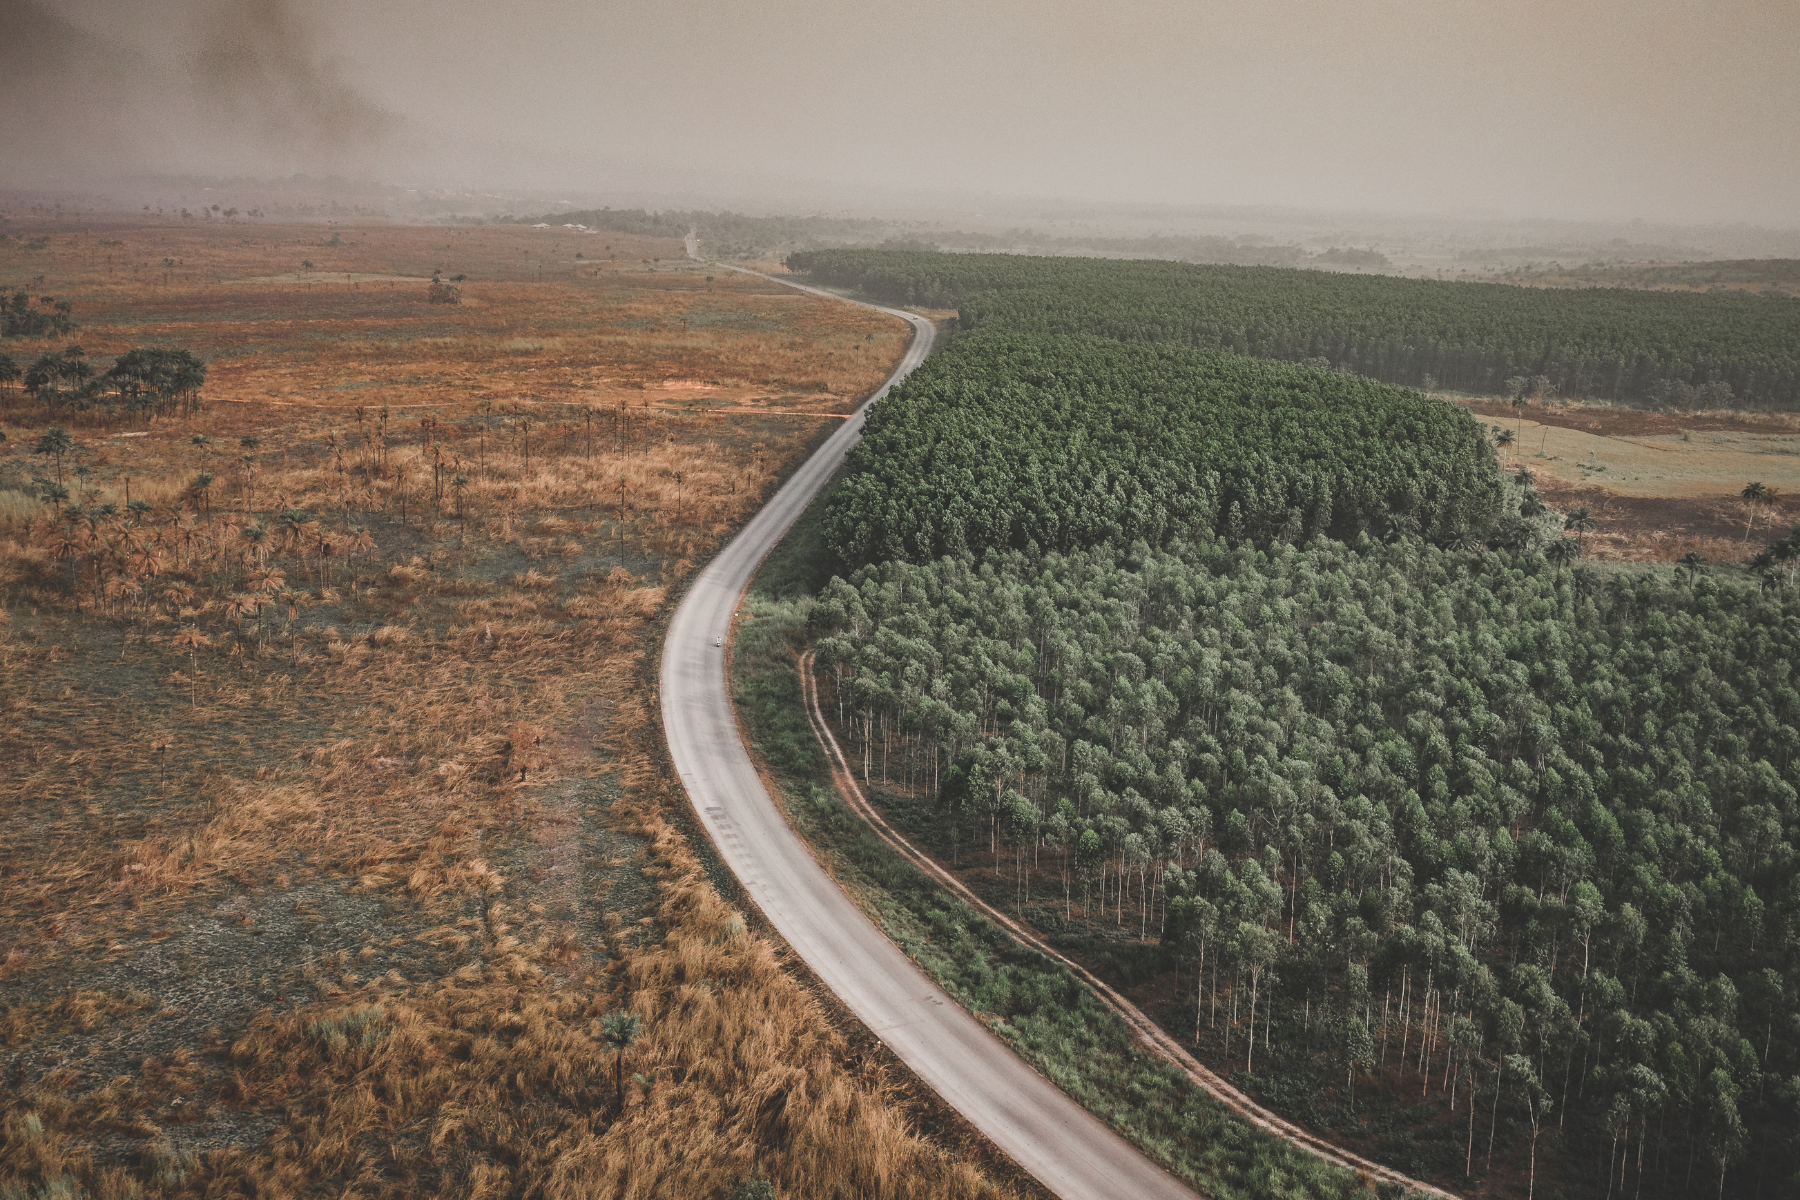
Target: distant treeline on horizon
1624 346
735 235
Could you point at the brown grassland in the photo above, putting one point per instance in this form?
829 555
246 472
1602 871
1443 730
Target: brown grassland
332 814
1659 484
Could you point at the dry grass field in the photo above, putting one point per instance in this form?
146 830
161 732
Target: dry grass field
1661 484
332 815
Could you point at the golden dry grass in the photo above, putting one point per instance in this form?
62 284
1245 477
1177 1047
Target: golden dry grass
1660 484
631 321
298 885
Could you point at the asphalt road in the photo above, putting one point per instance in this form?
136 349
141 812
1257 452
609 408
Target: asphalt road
1065 1147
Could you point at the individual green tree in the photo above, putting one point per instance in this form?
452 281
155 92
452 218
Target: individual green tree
1580 522
620 1030
1687 567
56 442
1754 494
1090 859
1522 1078
1358 1049
1562 551
50 491
1518 388
1255 949
1197 920
1725 1133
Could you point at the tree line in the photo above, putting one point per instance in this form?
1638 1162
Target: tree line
1616 344
147 381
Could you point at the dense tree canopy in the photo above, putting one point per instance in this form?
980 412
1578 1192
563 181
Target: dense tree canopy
1009 439
1608 343
1479 797
1216 644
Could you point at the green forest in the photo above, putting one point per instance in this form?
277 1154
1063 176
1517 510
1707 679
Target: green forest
1615 344
1265 675
1010 439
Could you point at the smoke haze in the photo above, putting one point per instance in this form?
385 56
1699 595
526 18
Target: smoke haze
1593 109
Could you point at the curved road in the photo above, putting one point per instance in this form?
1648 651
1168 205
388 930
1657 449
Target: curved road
1060 1143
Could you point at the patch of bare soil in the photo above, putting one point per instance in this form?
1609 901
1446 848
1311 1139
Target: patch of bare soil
1667 528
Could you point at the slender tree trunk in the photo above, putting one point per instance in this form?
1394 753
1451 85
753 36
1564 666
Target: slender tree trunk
1474 1085
1250 1055
1494 1121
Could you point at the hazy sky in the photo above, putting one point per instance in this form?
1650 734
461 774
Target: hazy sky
1579 108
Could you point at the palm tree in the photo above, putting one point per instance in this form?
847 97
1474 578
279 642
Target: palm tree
1787 550
57 442
238 606
1563 551
1689 565
1579 522
1505 438
268 579
297 528
256 542
50 491
1755 494
620 1030
193 639
458 485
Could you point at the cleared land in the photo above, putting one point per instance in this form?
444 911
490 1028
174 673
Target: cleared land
1661 484
332 818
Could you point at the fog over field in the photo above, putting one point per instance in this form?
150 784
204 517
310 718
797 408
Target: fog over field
1665 110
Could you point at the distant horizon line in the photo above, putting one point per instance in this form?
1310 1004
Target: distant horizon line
872 203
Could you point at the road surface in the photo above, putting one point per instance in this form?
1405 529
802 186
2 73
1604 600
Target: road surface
1065 1147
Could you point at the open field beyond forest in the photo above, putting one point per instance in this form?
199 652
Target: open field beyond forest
1660 484
332 814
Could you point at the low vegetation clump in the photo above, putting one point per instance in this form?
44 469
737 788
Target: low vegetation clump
1636 347
49 317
